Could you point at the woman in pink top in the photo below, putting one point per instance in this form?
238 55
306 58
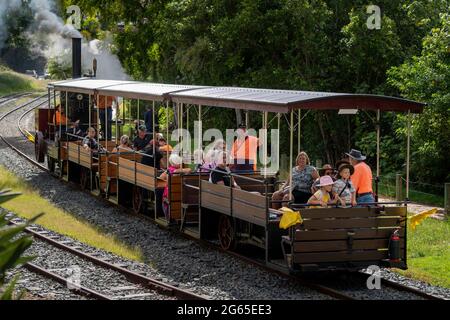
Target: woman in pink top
175 166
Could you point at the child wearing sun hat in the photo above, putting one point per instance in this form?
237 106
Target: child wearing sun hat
324 196
343 186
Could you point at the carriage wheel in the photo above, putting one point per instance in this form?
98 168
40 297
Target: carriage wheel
227 233
39 147
137 199
84 178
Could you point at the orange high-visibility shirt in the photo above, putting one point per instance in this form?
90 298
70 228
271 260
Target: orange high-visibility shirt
105 102
59 118
362 178
247 149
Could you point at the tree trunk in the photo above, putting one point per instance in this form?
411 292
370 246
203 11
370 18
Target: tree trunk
322 131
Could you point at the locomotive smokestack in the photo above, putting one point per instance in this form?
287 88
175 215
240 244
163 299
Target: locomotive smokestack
76 58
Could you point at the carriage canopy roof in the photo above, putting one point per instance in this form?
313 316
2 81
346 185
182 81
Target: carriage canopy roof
235 97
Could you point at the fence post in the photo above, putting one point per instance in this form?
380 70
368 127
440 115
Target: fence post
398 187
447 198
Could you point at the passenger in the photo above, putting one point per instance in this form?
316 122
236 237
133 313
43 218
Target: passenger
89 143
175 166
211 157
142 139
59 118
303 176
244 151
343 187
327 170
75 130
124 144
163 146
324 195
149 159
361 178
221 174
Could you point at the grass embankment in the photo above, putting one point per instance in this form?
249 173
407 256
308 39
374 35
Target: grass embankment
30 204
429 252
13 82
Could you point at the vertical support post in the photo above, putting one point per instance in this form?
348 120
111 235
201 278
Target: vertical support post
408 141
278 142
246 118
200 131
167 132
299 130
291 151
378 142
65 108
398 187
447 198
106 123
377 178
138 113
153 126
117 127
266 137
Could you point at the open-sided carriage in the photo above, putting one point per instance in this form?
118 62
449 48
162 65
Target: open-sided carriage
328 238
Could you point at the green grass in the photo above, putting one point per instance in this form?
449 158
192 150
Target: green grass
429 252
13 82
30 203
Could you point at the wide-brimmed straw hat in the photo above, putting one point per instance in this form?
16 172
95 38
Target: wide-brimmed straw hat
323 170
356 154
325 181
344 166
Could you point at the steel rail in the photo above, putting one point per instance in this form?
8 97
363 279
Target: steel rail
134 277
75 288
131 276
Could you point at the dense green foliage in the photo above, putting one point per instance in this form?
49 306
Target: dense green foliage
304 45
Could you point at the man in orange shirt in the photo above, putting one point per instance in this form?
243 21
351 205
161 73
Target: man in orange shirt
59 118
244 151
361 178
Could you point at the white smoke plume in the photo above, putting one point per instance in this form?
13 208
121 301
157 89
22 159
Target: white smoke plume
51 37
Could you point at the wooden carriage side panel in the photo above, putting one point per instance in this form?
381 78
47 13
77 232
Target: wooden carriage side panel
126 170
85 158
353 234
249 207
175 196
250 185
363 212
103 171
146 176
216 197
73 151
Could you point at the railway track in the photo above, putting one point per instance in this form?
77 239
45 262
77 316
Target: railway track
133 277
330 290
147 283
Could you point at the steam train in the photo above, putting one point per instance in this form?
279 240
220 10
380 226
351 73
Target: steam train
332 238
